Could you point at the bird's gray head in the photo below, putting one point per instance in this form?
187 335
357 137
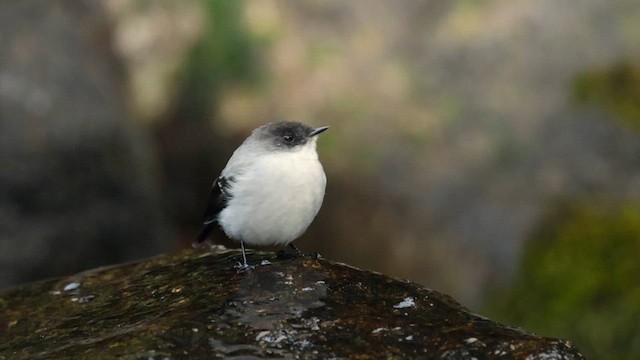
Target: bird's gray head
286 135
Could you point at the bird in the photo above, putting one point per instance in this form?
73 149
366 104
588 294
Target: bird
270 190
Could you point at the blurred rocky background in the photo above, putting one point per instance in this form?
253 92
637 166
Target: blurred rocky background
486 149
78 175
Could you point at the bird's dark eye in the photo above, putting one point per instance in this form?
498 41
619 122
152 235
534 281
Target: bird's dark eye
288 138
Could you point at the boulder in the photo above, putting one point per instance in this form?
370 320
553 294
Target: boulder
198 304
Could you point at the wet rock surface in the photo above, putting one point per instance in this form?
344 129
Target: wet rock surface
197 304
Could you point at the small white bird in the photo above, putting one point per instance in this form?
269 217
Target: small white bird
271 189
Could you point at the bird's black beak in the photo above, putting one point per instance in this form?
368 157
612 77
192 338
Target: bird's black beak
317 131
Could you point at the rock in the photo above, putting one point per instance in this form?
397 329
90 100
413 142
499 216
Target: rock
77 184
198 305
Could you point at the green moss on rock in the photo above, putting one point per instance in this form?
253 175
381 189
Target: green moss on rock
579 279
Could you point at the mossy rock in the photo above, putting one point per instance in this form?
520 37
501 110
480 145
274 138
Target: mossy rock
581 271
196 304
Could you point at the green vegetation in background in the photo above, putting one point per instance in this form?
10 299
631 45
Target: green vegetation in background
616 88
580 280
223 54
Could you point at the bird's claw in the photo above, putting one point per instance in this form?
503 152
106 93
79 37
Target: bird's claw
243 266
284 255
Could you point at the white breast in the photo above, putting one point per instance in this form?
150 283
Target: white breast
276 199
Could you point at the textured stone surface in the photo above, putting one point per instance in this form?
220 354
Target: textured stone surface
197 305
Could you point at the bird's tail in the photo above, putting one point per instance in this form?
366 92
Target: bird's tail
204 234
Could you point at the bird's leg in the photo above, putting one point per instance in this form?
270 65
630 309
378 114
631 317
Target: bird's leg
296 251
244 256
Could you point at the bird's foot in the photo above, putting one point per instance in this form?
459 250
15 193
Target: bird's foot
296 253
283 255
243 266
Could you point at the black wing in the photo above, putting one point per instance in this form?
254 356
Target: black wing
218 198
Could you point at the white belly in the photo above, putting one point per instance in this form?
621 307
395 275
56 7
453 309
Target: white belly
274 201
